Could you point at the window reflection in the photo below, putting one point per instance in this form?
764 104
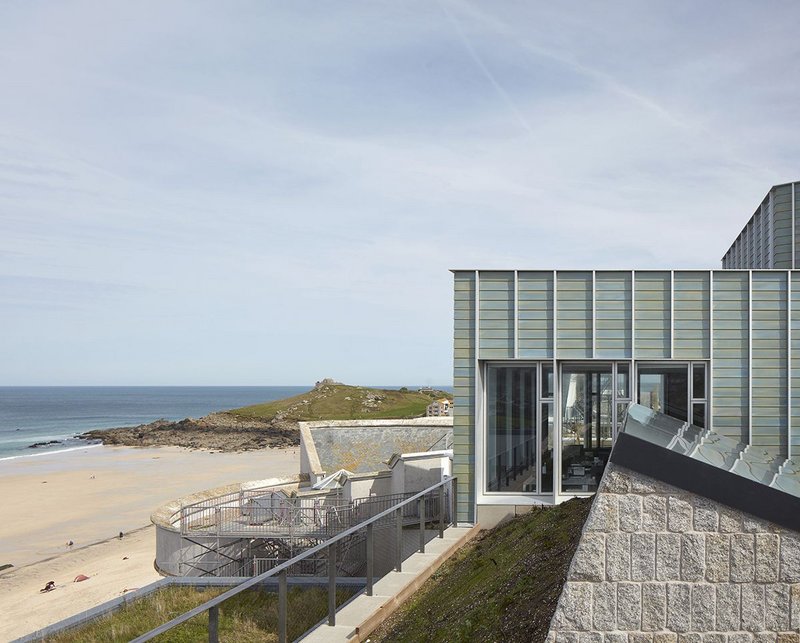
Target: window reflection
547 447
699 381
547 380
587 396
665 388
511 429
699 414
623 381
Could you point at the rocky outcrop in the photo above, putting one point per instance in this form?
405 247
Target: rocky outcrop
217 432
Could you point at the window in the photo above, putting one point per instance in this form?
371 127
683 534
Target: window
699 381
665 388
547 381
699 394
623 381
587 398
623 389
677 390
511 429
547 429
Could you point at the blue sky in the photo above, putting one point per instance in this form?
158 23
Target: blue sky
274 192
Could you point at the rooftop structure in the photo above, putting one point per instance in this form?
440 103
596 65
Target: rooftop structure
364 446
770 237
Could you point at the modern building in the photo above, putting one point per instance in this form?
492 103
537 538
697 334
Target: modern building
546 363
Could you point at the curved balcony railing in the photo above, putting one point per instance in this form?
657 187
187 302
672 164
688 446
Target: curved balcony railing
436 504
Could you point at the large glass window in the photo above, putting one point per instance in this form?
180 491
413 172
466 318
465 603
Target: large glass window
665 388
678 390
587 398
511 429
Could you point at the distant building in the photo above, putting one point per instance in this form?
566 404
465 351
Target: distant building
440 408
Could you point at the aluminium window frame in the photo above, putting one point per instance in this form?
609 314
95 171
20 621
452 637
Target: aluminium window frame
484 432
689 365
615 401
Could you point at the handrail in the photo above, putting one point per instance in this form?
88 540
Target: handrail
239 492
214 603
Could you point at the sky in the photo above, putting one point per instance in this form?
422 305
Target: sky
270 193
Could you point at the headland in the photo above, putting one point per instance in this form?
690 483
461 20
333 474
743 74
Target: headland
274 424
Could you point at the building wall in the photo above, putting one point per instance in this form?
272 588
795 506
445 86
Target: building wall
731 341
741 322
657 564
771 236
464 392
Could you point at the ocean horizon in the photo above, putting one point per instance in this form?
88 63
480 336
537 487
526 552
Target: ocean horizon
35 414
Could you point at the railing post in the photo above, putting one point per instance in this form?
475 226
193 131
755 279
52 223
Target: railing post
332 585
454 491
370 559
398 567
441 511
421 504
213 624
282 607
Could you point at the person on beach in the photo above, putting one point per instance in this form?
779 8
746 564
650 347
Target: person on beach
51 585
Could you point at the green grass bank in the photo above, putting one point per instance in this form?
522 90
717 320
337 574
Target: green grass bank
504 586
250 617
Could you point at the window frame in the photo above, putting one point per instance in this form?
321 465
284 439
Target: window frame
689 364
537 365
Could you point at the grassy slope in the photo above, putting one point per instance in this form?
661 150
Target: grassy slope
502 587
250 617
342 402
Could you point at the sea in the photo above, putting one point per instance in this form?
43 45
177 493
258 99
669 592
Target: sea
56 414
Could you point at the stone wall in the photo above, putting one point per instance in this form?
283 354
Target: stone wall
656 564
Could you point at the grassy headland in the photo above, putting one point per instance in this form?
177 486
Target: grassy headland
274 424
334 401
504 586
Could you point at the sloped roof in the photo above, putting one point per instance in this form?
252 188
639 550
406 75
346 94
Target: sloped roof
362 446
704 462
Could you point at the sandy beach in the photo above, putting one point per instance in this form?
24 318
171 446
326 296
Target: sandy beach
89 496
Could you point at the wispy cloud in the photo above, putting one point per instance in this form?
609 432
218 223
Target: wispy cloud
498 88
289 183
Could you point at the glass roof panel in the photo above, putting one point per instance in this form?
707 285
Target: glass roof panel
714 449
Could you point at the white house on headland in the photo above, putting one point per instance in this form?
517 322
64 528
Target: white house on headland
440 408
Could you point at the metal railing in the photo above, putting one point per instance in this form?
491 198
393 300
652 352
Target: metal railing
419 502
267 511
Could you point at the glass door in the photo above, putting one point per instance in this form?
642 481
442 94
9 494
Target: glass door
587 425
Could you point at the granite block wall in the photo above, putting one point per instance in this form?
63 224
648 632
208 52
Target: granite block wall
656 564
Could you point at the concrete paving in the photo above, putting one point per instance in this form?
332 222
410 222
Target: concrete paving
363 614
